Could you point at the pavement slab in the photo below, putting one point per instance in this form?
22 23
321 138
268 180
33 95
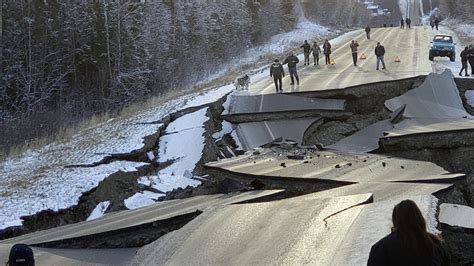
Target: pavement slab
256 134
282 232
303 230
126 219
430 125
457 215
437 97
335 166
279 103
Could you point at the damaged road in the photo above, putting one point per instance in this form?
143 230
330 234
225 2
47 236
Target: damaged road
330 198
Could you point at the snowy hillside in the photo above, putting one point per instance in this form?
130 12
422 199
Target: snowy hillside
38 179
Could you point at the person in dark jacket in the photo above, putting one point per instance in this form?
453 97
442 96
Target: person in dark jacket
292 61
402 23
464 58
379 53
327 51
436 22
367 32
316 52
278 73
470 58
307 51
354 47
408 21
409 243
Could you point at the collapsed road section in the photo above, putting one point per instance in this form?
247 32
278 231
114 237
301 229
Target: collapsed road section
334 201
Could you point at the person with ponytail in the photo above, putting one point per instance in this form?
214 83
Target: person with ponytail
409 243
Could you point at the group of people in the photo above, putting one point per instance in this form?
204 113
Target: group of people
316 51
467 56
407 21
278 73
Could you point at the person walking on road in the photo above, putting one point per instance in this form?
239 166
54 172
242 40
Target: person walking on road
470 58
354 45
278 73
464 58
408 21
436 22
409 243
367 32
402 23
316 52
292 61
327 51
307 51
432 24
379 53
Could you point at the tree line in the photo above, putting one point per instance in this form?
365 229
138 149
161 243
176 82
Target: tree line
61 61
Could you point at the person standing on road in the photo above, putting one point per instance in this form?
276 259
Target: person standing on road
307 51
292 61
316 51
367 32
354 45
408 21
409 243
327 51
379 53
402 23
278 73
464 58
432 24
470 58
436 22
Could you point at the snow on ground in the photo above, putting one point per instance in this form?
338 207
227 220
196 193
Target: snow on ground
183 143
464 29
141 199
227 128
99 211
280 43
209 97
36 180
56 188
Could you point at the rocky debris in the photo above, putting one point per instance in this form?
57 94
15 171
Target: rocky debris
460 243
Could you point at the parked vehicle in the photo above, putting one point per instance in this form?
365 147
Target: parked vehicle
444 46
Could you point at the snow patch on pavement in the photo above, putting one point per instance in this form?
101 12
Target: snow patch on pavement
141 199
99 210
